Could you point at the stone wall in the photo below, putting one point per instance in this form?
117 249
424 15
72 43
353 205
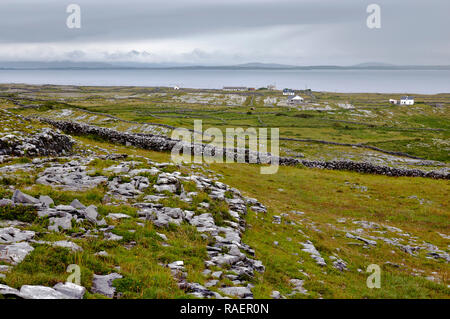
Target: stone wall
47 142
370 147
369 168
162 143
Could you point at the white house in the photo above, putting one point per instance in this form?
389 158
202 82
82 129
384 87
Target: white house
407 100
288 92
392 101
295 100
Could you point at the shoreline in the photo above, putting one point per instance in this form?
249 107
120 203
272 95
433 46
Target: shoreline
199 89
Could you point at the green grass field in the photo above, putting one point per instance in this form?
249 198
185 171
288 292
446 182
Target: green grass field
421 130
332 202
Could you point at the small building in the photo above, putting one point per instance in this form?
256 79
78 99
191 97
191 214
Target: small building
235 88
176 87
295 100
404 100
271 87
288 92
407 100
392 101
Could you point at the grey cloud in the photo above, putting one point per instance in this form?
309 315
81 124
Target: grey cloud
133 54
75 55
298 31
135 20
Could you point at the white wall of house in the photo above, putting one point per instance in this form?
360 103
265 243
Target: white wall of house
407 102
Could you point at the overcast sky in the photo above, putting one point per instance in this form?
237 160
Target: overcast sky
300 32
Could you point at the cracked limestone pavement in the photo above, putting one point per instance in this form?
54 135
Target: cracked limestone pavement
128 185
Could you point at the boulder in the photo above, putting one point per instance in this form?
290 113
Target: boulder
103 284
162 236
50 212
364 240
13 235
211 283
175 213
60 222
41 292
225 259
6 202
276 219
154 198
76 204
15 253
168 188
7 291
275 295
203 221
112 237
46 201
118 169
91 214
234 251
298 287
166 215
198 290
309 248
66 244
71 290
21 198
117 216
176 265
241 292
65 208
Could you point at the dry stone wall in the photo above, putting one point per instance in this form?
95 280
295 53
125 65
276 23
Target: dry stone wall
162 143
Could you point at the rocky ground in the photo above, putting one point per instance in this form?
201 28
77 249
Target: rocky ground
128 185
121 204
137 182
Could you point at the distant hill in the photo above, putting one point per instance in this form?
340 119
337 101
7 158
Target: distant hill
373 64
266 65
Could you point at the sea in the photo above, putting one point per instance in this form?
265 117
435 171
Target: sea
346 81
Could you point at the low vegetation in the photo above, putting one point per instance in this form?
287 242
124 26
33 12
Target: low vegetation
320 206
